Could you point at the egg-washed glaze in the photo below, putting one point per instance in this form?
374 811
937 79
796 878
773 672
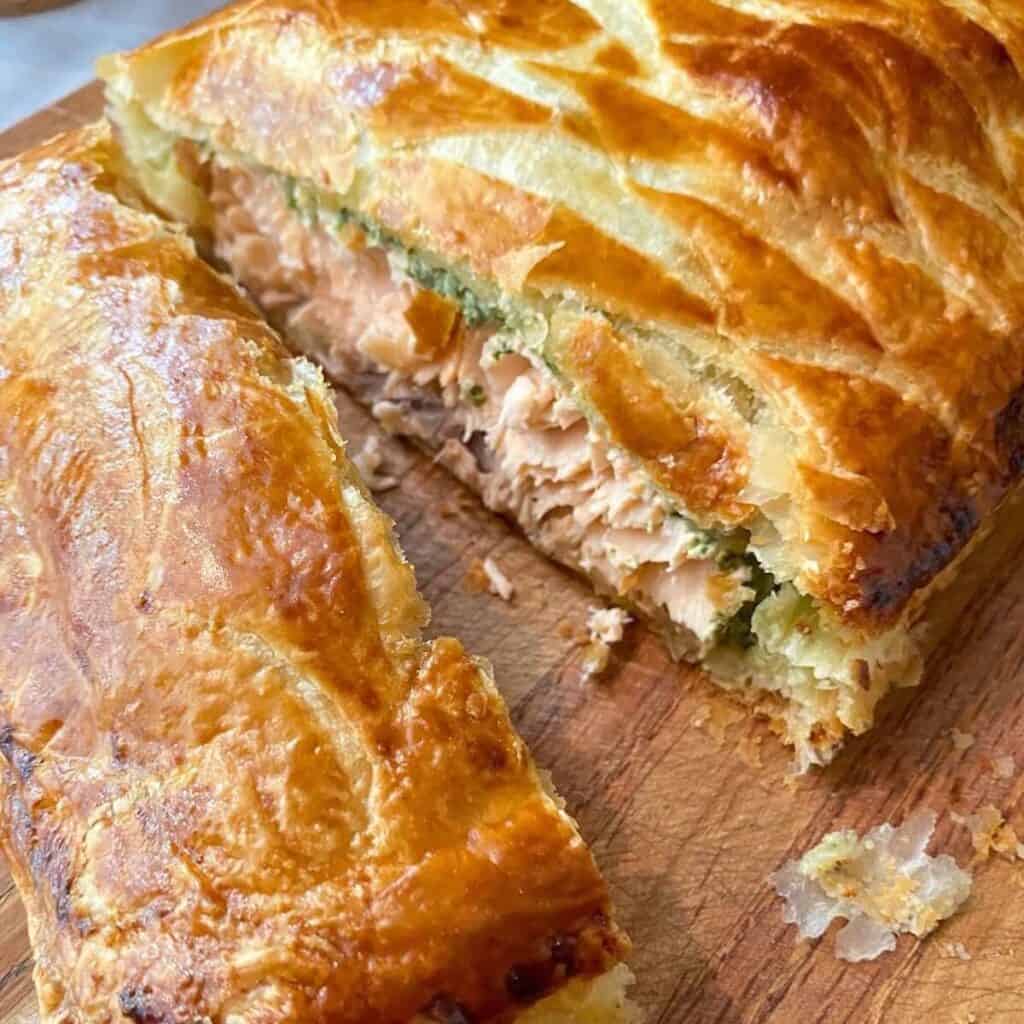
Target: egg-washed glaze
821 199
235 785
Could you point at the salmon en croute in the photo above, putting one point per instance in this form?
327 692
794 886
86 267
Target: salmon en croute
720 302
236 784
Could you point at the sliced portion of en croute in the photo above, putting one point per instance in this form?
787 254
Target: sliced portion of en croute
237 783
885 884
754 369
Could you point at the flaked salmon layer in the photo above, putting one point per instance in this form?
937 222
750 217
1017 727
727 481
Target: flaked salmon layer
471 389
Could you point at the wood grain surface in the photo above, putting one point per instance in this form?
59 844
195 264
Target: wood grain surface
688 806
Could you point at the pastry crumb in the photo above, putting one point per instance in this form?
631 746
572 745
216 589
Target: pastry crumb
389 415
487 575
1004 767
500 585
749 749
605 627
962 740
990 833
718 713
884 884
955 951
596 656
608 625
369 461
475 580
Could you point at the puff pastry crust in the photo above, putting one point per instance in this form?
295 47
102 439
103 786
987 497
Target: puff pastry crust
819 199
774 247
235 784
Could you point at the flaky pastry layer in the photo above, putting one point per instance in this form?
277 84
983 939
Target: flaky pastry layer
236 784
771 253
816 206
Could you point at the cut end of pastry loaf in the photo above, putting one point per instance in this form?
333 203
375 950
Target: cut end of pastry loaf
243 725
734 404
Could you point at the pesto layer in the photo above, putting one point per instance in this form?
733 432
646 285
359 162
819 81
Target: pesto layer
728 548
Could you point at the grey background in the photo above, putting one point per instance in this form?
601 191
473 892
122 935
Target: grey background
45 56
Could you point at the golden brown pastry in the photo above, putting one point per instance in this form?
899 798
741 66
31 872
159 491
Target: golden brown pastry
236 786
721 301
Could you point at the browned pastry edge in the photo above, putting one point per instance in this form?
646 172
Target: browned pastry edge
233 780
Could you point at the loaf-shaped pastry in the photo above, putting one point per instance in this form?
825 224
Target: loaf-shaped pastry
721 301
236 786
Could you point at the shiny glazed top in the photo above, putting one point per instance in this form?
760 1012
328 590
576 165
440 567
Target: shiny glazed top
821 200
236 785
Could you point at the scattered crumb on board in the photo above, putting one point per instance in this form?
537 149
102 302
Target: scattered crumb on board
884 884
500 584
369 461
716 714
962 740
991 833
954 951
475 580
749 749
605 627
487 575
389 415
596 656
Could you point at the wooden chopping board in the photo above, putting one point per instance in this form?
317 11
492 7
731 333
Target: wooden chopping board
687 808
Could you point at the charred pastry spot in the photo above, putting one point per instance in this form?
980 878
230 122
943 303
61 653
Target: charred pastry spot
145 601
483 454
1010 433
563 952
963 518
21 760
527 982
20 823
139 1006
49 863
446 1010
490 756
118 753
882 595
862 671
1000 54
370 699
7 742
24 763
63 905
